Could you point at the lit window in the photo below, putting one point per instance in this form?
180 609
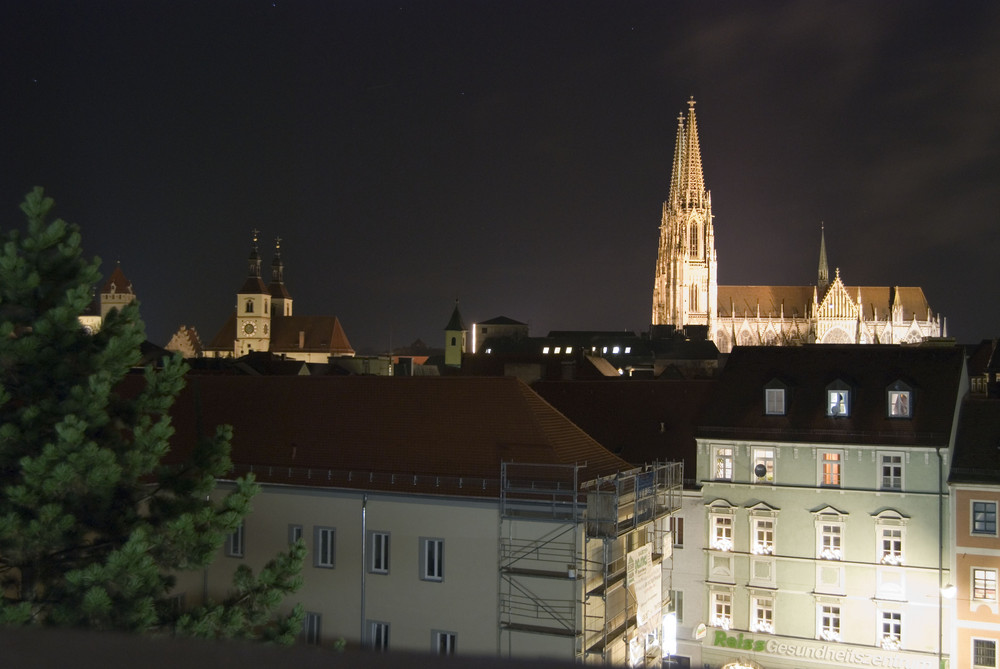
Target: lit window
984 584
774 401
892 546
724 463
722 610
837 403
569 349
235 542
558 349
628 349
763 615
829 622
830 468
324 546
830 542
763 536
984 653
432 559
444 643
899 403
311 628
614 349
380 553
379 639
763 457
545 350
604 350
892 630
984 518
892 472
722 533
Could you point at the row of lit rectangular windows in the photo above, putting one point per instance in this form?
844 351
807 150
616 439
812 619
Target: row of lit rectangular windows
324 550
890 623
838 402
614 350
830 473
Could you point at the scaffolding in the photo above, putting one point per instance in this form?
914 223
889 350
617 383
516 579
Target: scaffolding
565 545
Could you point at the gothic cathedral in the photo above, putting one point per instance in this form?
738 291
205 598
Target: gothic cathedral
687 296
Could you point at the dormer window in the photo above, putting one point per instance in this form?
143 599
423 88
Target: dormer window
899 398
774 398
838 399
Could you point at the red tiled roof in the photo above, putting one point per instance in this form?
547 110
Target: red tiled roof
117 282
319 334
415 434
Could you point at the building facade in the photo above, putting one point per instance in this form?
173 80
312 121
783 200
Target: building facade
444 515
823 473
687 293
974 486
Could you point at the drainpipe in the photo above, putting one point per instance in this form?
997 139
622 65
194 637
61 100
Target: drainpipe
364 549
940 561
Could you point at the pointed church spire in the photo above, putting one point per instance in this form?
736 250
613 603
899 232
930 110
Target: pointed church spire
674 198
281 299
253 261
823 280
693 179
277 267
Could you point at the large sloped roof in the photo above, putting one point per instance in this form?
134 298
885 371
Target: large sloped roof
117 283
414 434
307 334
934 374
876 301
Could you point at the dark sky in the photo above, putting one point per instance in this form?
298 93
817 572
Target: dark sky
510 154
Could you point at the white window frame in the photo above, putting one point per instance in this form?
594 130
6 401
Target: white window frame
723 458
900 403
763 455
378 547
762 540
989 518
891 471
722 609
325 547
838 402
891 544
431 559
762 614
890 630
774 401
990 644
830 540
378 635
983 581
830 465
311 628
828 621
294 533
236 542
722 532
443 643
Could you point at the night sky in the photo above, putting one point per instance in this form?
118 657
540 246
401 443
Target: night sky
513 155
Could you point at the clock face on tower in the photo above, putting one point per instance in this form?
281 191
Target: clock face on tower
249 327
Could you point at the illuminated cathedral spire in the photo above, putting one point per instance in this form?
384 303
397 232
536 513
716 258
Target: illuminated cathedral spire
823 280
685 287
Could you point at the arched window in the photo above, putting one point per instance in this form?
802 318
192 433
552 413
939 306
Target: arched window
249 307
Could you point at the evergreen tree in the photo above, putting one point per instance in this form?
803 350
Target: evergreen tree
92 523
